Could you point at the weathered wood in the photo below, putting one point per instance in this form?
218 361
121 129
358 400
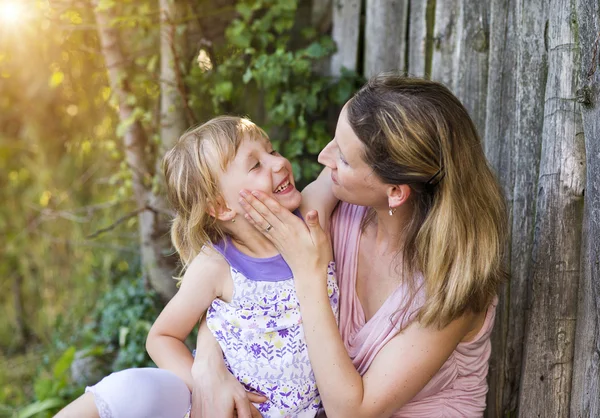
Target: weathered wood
513 142
547 372
417 38
385 36
499 144
460 56
585 393
472 55
346 28
445 41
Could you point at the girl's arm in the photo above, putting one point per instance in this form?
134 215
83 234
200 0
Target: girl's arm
400 369
202 283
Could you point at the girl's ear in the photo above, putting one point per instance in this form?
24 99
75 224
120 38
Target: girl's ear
398 194
222 212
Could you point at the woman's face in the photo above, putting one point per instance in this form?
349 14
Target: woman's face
353 180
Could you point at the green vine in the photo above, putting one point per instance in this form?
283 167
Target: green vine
268 73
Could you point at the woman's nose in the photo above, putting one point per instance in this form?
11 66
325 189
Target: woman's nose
326 156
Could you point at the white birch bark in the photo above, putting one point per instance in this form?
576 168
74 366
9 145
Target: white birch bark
155 249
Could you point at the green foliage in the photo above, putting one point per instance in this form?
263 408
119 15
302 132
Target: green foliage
267 70
52 389
124 316
63 175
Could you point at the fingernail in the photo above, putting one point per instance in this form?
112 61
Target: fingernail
243 202
255 193
243 193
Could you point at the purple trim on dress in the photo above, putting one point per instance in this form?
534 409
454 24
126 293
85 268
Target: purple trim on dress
270 269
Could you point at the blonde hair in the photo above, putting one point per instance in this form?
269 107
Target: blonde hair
416 132
191 174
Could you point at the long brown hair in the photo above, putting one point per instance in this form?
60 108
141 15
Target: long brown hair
416 132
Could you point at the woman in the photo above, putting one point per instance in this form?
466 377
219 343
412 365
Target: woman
417 241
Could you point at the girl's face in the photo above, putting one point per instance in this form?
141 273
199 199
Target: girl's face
257 166
353 180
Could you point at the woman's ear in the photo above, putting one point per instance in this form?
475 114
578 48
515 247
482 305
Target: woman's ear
398 194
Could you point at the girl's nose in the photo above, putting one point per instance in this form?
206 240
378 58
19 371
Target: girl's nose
278 166
326 156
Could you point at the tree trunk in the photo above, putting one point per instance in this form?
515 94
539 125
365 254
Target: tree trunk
547 372
173 96
158 265
345 31
513 141
585 393
385 36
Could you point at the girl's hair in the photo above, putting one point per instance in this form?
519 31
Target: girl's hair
416 132
191 171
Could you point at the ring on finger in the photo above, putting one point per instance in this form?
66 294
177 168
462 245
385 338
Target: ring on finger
268 228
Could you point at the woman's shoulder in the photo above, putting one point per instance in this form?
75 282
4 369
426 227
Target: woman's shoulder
348 213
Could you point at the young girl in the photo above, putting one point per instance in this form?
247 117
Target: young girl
233 273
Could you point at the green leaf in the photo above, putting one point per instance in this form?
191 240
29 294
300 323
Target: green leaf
63 363
39 407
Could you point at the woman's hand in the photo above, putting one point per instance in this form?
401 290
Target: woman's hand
304 246
215 391
218 394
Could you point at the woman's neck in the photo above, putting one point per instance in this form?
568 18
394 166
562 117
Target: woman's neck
388 229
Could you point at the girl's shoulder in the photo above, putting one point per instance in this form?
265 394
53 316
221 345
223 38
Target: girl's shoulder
208 268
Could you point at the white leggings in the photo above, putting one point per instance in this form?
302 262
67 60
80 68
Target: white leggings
141 393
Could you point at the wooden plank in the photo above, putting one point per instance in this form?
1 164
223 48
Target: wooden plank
472 54
513 142
417 38
585 393
385 36
500 144
346 28
460 56
547 372
445 41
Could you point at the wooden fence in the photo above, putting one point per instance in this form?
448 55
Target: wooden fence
527 71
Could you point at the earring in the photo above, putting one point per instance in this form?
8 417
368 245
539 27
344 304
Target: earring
233 221
392 211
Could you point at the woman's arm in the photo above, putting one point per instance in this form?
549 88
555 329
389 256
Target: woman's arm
398 372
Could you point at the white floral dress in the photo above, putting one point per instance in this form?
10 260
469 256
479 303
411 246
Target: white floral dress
261 334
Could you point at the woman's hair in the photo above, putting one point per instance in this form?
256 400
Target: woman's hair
416 132
191 171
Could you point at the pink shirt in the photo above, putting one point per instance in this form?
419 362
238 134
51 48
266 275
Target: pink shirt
459 387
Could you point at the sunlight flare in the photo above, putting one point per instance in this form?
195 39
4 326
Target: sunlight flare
11 12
